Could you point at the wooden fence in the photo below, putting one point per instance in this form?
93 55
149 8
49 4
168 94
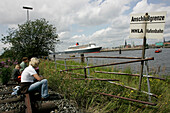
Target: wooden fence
85 68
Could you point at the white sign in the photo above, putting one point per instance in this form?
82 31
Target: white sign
154 25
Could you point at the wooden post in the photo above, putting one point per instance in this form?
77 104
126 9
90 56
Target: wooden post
85 74
82 58
120 51
55 62
54 57
143 52
28 104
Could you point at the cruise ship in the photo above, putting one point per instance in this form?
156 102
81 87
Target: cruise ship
88 48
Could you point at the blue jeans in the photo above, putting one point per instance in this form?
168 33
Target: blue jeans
41 86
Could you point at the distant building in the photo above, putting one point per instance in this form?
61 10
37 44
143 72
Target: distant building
138 46
128 46
152 46
166 43
159 44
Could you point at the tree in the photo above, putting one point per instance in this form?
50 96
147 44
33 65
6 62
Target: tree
31 39
8 53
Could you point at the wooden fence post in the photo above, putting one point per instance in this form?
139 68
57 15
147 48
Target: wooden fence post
143 51
82 58
85 74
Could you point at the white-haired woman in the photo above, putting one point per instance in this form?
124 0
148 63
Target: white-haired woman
29 75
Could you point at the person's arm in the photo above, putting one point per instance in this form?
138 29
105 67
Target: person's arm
36 76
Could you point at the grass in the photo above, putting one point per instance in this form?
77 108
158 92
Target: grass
82 91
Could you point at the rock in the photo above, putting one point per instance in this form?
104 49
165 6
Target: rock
62 105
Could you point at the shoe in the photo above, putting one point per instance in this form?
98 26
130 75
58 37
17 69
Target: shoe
45 99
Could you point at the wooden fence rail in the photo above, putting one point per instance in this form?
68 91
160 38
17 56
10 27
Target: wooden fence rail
133 61
117 73
95 79
114 57
139 101
128 87
101 57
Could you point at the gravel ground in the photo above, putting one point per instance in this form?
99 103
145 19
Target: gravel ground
62 105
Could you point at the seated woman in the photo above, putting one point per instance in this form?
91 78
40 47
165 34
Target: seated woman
16 74
29 75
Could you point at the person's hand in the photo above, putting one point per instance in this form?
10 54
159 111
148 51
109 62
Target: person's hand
36 76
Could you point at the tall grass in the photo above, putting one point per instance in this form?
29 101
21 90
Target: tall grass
83 92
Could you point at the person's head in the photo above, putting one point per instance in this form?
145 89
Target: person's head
34 62
25 59
17 66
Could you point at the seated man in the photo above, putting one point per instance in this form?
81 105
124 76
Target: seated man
23 64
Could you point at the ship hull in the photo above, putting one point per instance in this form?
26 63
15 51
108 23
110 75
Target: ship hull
86 50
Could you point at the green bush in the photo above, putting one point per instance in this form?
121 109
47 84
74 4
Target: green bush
6 70
5 74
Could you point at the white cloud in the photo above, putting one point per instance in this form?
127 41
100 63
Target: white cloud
84 13
96 13
144 6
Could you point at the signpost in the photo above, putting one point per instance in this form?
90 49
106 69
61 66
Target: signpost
155 25
147 26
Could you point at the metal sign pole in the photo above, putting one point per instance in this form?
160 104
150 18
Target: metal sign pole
27 8
27 15
148 83
88 65
143 52
65 64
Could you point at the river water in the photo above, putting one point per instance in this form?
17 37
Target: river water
160 65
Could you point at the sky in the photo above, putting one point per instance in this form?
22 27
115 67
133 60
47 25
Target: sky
104 22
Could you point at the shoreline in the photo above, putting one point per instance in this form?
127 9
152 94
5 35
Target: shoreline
119 49
125 49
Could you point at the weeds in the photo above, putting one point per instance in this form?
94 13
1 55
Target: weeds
83 92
